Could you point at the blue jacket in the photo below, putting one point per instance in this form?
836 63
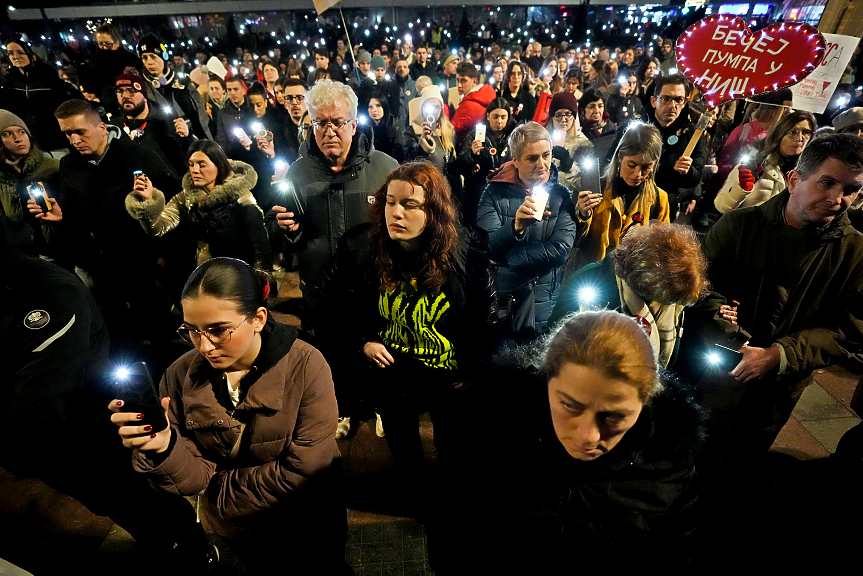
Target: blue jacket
530 266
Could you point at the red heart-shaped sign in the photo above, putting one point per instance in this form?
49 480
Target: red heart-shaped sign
726 60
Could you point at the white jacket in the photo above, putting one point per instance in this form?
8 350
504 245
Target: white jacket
732 195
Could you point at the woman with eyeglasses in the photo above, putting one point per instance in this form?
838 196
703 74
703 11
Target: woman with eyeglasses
216 203
32 90
252 423
762 175
567 138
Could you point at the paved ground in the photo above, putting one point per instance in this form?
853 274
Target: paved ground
49 533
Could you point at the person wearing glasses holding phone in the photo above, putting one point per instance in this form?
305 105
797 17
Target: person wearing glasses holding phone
294 91
335 179
252 417
757 180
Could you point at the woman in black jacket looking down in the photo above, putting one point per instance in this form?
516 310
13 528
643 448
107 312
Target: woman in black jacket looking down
605 448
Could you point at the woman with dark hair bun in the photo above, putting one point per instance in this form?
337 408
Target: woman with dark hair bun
417 288
216 203
252 423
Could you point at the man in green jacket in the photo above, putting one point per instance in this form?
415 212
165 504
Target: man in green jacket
795 265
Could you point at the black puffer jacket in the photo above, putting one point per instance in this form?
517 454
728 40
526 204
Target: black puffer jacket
33 93
635 504
349 289
529 267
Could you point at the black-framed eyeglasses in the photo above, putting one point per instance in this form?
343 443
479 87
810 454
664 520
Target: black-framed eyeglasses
106 45
334 124
563 116
124 91
300 98
797 133
679 100
218 336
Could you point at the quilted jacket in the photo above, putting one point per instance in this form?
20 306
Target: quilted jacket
534 261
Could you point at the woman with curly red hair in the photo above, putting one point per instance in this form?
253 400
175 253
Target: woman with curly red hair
414 292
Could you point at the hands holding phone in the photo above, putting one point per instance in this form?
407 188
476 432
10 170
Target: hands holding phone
53 215
137 434
285 219
143 187
587 201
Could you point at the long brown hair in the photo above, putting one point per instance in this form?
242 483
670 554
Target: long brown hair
440 234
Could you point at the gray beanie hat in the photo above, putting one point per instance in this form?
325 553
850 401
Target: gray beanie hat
364 57
8 119
378 62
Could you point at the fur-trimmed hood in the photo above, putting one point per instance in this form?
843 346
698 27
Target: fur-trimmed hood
241 181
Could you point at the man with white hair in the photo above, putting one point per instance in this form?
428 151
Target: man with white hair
335 180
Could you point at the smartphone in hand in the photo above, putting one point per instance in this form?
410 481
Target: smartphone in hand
37 193
135 387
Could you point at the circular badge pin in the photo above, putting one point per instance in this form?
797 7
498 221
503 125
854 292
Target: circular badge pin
136 86
672 140
493 150
37 319
407 92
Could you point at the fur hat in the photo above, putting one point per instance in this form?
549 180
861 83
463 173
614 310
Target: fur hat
9 119
131 78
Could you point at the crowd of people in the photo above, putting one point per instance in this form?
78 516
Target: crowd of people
608 327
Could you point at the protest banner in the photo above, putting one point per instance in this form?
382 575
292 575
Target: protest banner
727 61
813 94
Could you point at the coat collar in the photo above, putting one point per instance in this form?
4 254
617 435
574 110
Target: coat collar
242 179
276 341
774 211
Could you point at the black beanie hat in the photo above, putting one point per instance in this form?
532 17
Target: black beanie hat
149 43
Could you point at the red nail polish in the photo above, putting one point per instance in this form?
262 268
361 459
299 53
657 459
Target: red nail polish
119 403
147 428
140 416
152 435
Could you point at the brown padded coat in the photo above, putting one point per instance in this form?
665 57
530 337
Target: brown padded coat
290 413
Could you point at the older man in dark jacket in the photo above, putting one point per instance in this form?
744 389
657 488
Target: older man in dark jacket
333 182
795 265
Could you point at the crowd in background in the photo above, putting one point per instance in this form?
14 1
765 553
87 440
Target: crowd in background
449 201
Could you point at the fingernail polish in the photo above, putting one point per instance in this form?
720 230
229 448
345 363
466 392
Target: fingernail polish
152 435
140 416
147 428
119 403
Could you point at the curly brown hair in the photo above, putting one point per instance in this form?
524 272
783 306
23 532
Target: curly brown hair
440 234
662 263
